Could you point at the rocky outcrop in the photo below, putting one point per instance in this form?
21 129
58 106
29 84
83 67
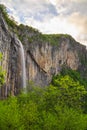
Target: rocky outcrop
43 59
9 47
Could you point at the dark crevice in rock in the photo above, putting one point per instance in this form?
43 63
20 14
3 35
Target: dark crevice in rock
32 57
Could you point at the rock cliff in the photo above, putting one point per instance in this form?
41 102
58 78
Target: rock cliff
45 55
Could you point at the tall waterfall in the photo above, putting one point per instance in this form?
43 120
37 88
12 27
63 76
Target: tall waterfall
23 68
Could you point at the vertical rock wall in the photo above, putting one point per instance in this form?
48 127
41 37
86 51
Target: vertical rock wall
9 47
43 60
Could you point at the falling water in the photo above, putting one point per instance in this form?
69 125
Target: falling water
23 69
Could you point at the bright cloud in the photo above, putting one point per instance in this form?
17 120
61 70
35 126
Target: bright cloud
52 16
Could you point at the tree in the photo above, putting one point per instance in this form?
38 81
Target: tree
2 73
71 93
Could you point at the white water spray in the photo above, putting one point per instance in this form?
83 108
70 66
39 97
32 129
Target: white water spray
23 68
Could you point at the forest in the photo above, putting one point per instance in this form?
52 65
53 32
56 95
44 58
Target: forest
61 106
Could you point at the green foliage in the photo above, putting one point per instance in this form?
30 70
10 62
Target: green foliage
31 34
11 23
1 56
2 76
34 36
75 75
71 92
56 106
59 106
2 73
53 39
9 115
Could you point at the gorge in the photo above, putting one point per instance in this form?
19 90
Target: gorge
29 55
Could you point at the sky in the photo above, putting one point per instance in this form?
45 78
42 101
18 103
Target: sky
52 16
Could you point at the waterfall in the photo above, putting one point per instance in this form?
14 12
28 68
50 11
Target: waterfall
23 68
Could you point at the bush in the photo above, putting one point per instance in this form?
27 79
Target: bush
54 107
11 23
2 73
9 115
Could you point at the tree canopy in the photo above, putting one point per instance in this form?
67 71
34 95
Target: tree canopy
59 106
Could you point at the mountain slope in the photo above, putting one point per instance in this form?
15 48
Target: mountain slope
45 55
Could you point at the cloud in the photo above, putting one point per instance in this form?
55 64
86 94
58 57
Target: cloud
80 22
52 16
26 8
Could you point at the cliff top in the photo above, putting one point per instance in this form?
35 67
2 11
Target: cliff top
30 33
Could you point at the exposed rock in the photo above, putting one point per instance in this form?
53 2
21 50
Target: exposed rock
11 61
49 59
43 59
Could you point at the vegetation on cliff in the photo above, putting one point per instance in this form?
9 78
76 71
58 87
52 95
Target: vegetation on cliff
11 23
2 73
29 33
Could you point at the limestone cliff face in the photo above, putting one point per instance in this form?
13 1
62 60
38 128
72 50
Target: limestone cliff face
43 59
9 47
